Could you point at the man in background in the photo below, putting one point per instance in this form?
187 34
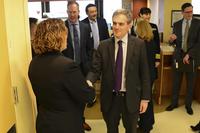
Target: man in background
79 43
186 38
99 29
97 25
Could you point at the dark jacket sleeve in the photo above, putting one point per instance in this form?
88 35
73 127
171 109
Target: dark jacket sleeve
76 85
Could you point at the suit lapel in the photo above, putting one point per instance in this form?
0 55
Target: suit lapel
130 49
69 38
191 28
99 26
81 33
112 53
179 30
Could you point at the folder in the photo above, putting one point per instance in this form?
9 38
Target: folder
180 66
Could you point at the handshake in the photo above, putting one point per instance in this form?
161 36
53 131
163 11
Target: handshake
90 104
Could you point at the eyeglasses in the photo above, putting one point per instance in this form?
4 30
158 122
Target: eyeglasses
188 12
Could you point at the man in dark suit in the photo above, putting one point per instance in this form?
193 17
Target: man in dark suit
121 62
83 54
186 37
97 25
80 46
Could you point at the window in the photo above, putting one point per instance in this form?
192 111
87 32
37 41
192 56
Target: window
35 10
109 6
58 9
196 5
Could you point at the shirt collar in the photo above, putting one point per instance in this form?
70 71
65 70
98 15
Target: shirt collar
76 23
185 20
92 21
123 39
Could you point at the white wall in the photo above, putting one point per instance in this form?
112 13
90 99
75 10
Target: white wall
153 5
58 9
196 6
109 7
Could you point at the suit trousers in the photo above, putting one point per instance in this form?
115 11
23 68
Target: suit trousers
117 111
190 80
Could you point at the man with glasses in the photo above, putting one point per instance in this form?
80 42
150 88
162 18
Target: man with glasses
186 37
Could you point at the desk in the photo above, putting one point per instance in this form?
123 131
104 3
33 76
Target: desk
163 85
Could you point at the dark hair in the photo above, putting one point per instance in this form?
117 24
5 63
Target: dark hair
70 2
88 6
185 5
145 10
32 21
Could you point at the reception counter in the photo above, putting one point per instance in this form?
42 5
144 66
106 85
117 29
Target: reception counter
163 85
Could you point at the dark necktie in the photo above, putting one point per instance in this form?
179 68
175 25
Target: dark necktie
118 67
186 37
76 45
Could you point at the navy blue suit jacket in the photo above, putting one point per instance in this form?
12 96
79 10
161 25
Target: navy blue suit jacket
102 26
86 47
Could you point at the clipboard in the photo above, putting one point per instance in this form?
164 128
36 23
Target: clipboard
181 67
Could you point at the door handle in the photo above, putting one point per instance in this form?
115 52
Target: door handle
15 94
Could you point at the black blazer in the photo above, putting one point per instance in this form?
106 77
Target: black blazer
193 40
153 50
60 90
136 73
151 53
156 39
102 26
86 46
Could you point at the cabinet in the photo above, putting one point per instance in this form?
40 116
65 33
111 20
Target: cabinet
164 82
163 85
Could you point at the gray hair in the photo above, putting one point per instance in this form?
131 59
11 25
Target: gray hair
124 12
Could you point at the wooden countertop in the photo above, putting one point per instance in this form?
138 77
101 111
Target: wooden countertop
166 49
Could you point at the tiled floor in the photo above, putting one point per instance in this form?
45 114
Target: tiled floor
177 121
94 112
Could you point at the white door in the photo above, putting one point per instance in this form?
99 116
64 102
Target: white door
19 58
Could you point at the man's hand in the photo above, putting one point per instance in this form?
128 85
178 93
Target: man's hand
89 83
186 59
143 106
157 63
172 37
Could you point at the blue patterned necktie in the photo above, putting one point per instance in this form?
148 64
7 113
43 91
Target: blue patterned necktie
118 67
76 45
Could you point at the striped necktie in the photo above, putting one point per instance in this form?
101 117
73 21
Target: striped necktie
76 45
